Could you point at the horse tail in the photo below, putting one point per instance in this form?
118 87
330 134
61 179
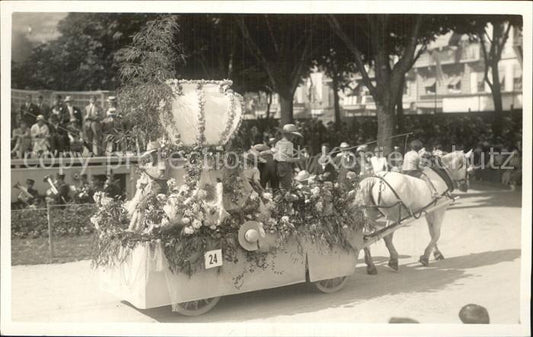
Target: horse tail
366 200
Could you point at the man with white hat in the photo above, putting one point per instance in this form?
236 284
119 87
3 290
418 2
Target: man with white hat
345 162
39 135
284 155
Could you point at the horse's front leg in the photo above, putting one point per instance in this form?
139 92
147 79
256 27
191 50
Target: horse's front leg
370 266
393 260
434 221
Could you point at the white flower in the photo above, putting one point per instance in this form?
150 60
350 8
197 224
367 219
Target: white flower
213 227
185 220
196 223
315 191
319 206
98 196
188 230
165 222
105 201
267 196
161 197
94 220
202 194
254 196
284 218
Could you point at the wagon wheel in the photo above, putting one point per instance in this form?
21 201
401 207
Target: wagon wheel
196 308
331 285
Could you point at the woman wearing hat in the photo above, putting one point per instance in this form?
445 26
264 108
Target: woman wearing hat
39 135
284 155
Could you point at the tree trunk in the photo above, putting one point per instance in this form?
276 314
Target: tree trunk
399 109
285 103
269 103
385 117
335 83
497 99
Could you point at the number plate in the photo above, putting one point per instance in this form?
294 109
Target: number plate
213 258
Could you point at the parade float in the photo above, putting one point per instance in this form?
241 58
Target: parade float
196 228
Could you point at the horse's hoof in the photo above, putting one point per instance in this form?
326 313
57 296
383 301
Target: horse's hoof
393 263
438 256
371 270
424 260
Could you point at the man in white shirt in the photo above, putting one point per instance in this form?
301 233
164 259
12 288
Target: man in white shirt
39 135
284 155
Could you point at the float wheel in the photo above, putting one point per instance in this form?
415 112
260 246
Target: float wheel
196 308
331 285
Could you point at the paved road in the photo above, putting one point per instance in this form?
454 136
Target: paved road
480 239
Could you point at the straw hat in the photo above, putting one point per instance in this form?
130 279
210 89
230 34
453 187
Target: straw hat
362 148
68 99
152 147
292 129
112 99
344 146
40 118
250 235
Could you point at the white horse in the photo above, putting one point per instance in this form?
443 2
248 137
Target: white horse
395 196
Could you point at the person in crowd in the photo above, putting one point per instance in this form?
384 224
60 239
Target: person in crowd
96 185
22 138
267 166
378 161
110 124
28 111
345 161
396 159
112 186
92 127
365 166
82 189
437 151
42 108
474 314
71 112
40 136
60 141
63 189
251 171
284 155
411 160
58 108
75 137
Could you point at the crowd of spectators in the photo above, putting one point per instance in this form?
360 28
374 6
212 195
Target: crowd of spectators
80 191
63 127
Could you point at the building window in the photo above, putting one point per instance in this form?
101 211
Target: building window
454 85
430 86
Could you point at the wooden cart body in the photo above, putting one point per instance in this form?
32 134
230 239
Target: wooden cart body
145 280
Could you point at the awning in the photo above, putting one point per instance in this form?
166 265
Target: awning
429 82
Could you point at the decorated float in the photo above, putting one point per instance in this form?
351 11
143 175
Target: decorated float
197 229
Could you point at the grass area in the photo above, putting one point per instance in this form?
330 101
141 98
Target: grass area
36 251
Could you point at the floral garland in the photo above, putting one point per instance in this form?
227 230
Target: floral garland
224 136
201 114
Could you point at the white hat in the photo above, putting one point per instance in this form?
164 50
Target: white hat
344 145
40 118
152 147
361 148
250 234
291 128
68 99
111 98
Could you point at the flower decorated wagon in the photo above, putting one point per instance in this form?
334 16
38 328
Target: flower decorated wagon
197 229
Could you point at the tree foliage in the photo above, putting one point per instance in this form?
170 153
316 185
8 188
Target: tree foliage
154 56
82 58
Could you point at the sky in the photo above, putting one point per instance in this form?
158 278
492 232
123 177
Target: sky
31 28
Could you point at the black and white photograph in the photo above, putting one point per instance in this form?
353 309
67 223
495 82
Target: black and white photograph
300 168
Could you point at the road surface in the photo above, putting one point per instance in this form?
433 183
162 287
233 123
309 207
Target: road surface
480 240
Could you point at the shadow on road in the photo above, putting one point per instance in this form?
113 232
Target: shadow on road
489 198
291 300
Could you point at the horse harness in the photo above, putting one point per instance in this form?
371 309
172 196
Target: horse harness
441 172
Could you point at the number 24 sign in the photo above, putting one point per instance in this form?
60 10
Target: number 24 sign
213 258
